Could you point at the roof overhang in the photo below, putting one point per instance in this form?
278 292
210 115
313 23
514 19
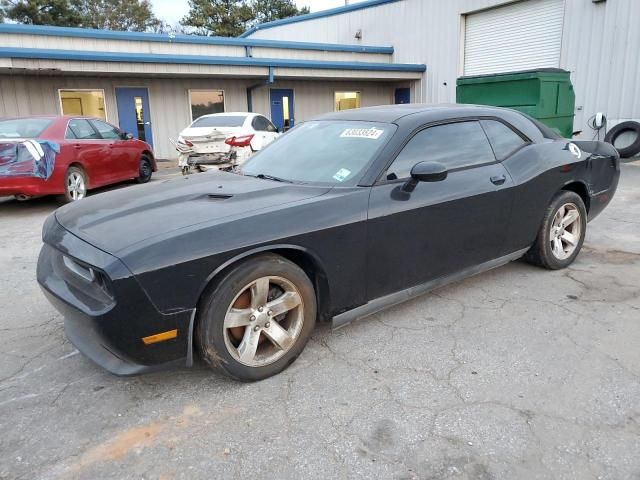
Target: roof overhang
171 38
125 62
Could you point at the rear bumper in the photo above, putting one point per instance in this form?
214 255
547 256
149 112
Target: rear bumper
30 186
109 329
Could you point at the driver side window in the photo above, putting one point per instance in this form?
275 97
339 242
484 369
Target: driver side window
107 132
455 145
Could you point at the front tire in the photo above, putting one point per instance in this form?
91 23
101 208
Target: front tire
561 234
255 321
145 170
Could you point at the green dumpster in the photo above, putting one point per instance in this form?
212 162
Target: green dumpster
545 94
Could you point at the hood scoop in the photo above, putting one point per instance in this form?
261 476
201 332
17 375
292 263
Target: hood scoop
218 196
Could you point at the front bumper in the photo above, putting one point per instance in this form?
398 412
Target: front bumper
107 324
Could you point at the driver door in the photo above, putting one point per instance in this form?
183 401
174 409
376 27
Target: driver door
442 227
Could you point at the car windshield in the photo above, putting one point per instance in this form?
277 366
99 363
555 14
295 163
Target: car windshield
220 121
327 152
23 127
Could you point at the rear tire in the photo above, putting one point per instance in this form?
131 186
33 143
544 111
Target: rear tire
75 185
145 170
561 234
255 320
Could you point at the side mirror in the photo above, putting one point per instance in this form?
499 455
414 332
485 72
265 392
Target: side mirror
425 172
126 136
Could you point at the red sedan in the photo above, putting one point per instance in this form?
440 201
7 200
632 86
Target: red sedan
67 155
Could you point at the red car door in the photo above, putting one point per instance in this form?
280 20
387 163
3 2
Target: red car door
124 153
90 151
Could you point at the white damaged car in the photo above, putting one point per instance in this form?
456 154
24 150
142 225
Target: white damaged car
223 140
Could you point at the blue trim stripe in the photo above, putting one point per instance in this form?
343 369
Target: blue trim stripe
188 39
321 14
38 53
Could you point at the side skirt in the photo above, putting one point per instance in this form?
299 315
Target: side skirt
388 301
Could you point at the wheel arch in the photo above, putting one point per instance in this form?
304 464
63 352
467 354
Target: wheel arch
581 189
300 256
149 154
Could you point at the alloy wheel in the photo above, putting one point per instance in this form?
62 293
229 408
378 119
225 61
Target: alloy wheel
76 186
565 231
263 321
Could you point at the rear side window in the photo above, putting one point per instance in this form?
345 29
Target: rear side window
454 145
503 140
261 124
544 130
81 129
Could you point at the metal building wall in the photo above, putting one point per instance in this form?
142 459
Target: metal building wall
169 99
600 46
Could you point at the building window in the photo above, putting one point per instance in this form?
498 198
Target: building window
88 103
347 100
205 102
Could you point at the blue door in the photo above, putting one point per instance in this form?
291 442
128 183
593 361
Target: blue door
133 112
403 95
282 112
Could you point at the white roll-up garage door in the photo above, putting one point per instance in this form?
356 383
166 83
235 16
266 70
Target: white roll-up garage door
519 36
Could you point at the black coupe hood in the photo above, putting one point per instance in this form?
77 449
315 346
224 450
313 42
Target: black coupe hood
116 220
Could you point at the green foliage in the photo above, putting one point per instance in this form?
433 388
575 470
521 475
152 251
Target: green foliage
135 16
230 18
39 12
131 15
225 18
270 10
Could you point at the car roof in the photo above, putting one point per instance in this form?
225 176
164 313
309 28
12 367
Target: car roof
229 114
393 113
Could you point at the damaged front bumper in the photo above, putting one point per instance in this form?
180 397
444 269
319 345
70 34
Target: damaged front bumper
107 314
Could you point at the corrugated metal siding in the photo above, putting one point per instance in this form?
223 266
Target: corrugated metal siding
600 47
102 45
600 44
169 101
520 36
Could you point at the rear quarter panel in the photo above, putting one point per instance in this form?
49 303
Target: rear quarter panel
539 171
543 169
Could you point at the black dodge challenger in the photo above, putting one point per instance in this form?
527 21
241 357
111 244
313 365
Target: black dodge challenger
341 217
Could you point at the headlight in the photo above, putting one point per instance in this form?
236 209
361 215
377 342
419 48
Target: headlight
94 279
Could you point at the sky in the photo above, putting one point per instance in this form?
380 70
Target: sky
171 11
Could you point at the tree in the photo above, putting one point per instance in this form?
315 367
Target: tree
39 12
132 15
230 18
225 18
270 10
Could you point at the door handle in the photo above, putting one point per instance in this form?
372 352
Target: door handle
498 179
75 145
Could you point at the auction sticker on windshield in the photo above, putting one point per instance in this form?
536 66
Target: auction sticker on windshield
342 174
371 133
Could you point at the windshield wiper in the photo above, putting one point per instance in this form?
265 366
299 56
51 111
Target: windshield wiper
266 176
